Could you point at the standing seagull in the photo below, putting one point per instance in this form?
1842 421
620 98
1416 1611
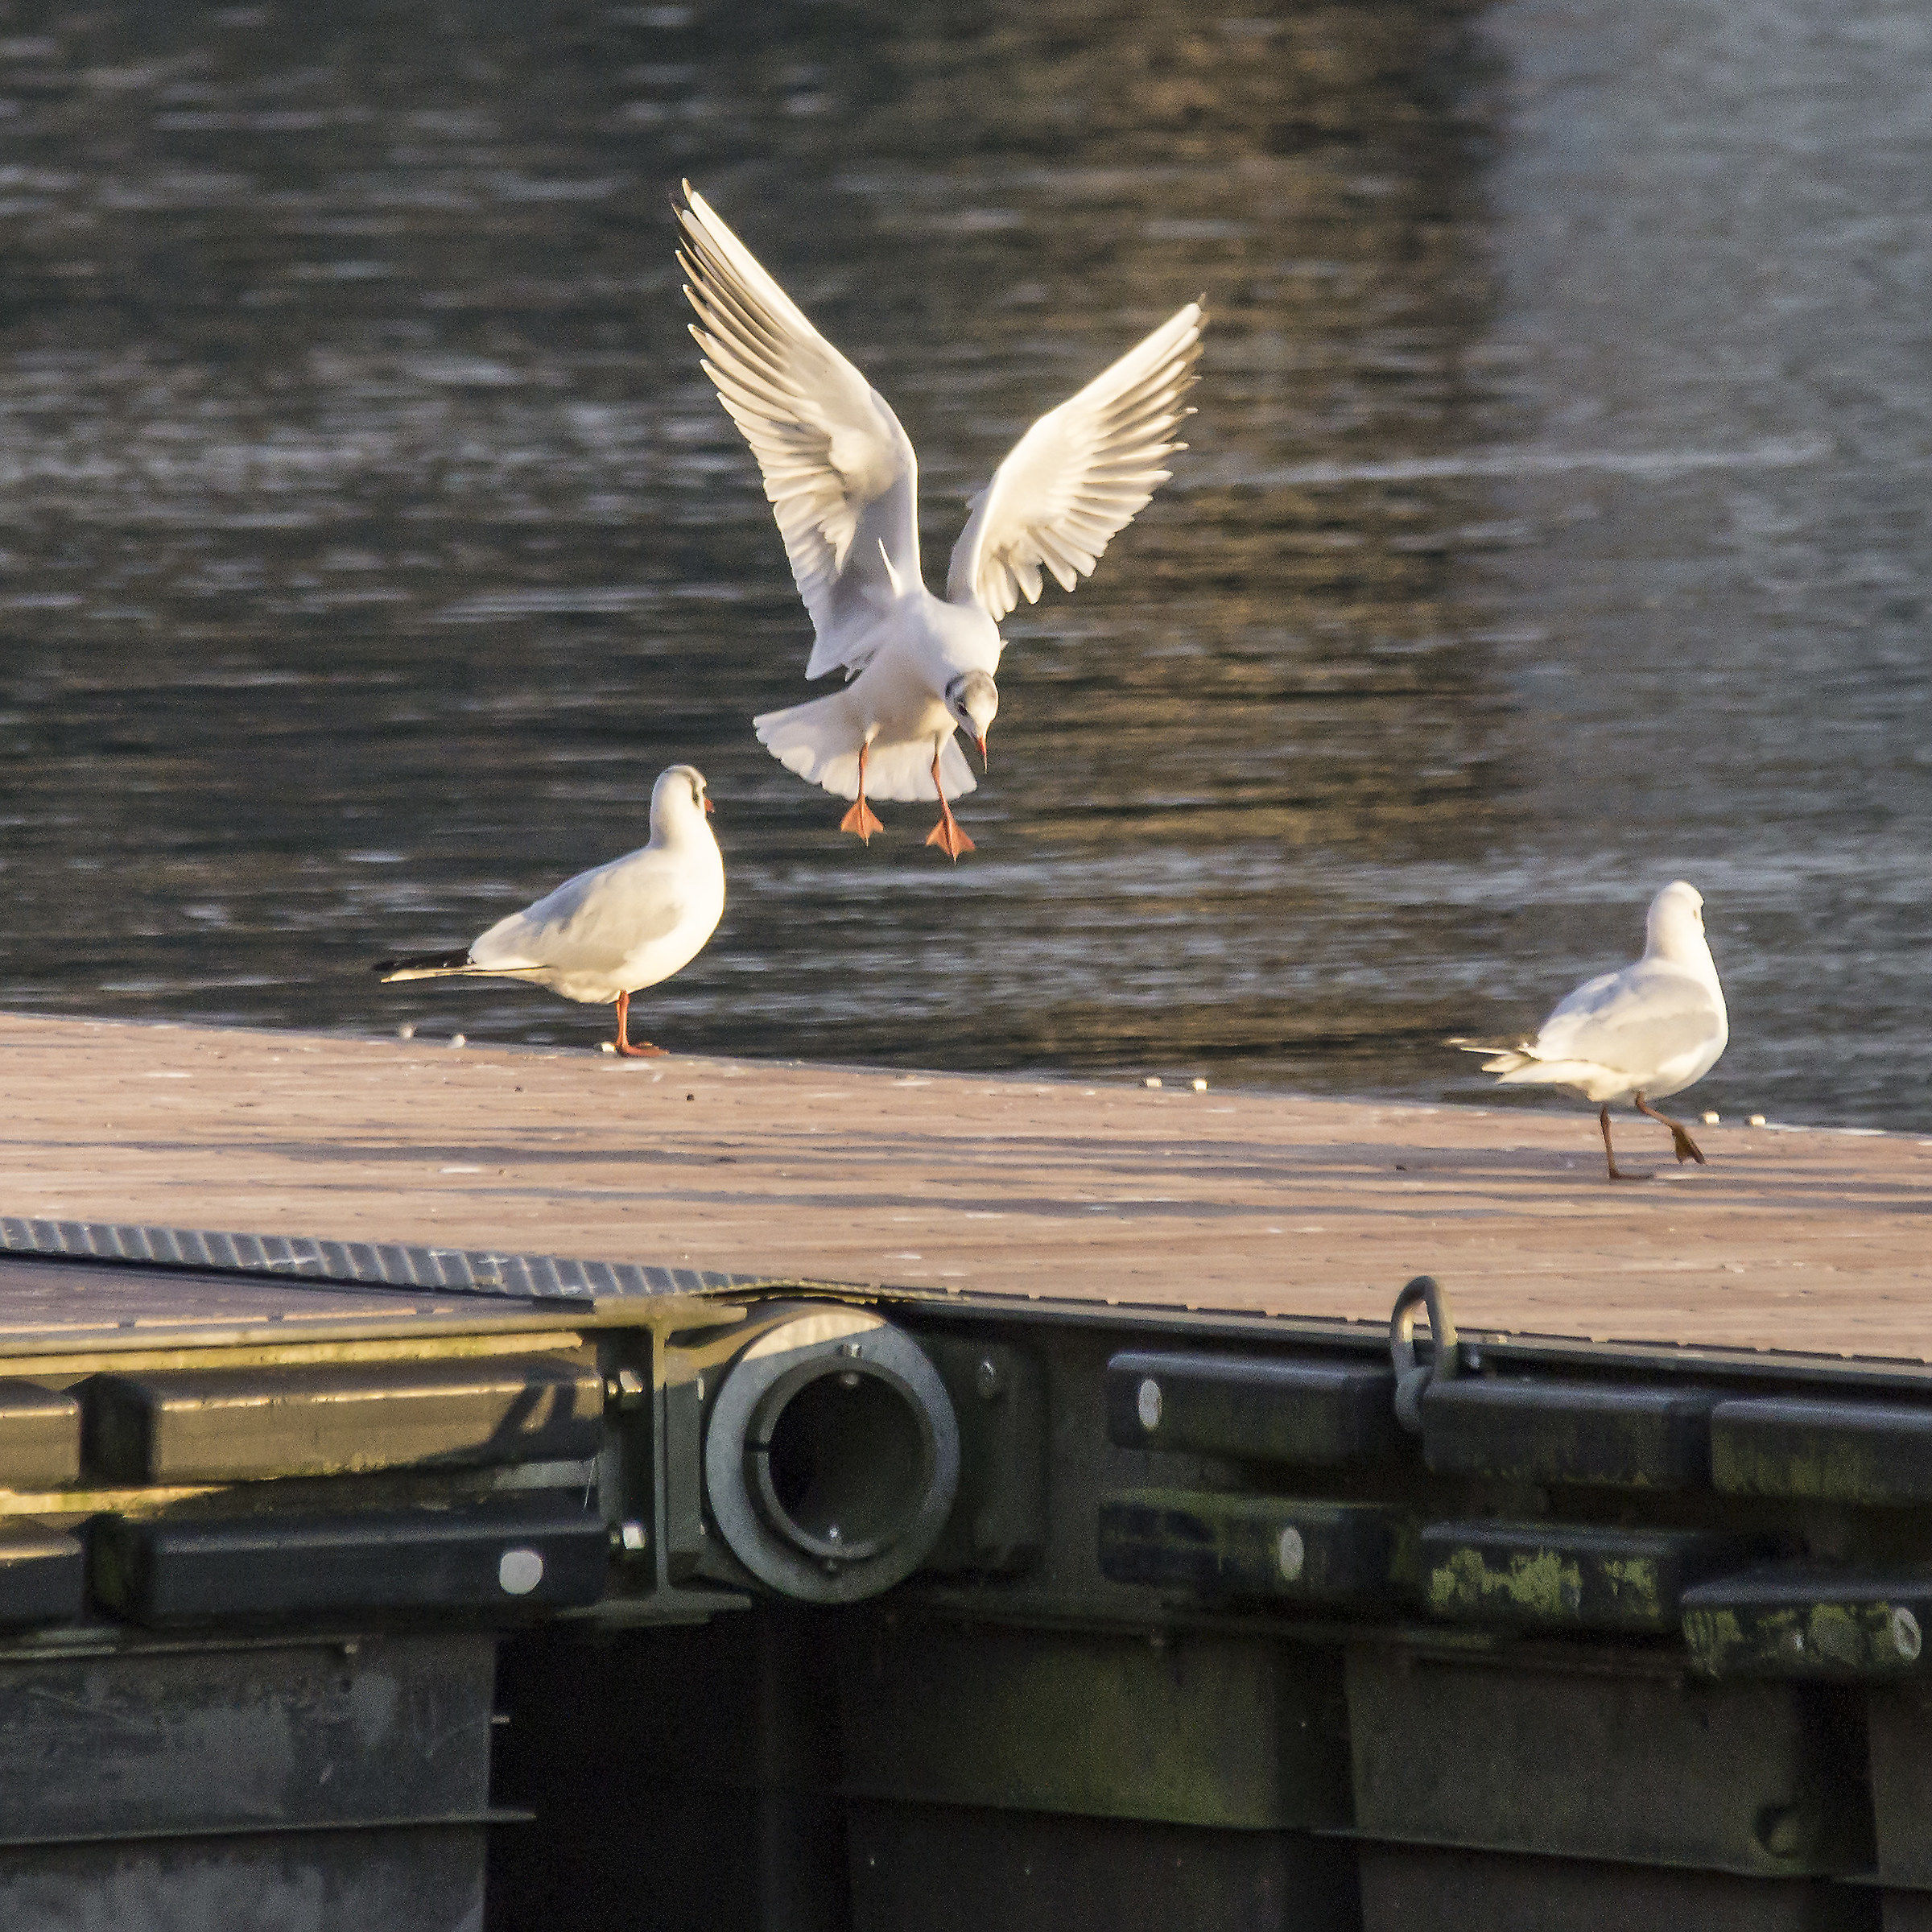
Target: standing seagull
843 480
1655 1028
613 931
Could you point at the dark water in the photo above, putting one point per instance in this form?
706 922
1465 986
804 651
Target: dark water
1556 522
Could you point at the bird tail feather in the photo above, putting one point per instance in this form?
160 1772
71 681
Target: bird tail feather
815 740
1513 1058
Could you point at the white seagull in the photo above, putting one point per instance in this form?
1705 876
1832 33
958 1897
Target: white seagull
1655 1028
613 931
842 478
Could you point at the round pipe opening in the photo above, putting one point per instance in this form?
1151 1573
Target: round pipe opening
831 1454
841 1458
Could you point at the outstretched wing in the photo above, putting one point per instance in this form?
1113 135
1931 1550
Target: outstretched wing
838 468
1080 476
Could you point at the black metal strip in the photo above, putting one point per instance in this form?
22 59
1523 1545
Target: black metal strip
493 1814
542 1277
1773 1367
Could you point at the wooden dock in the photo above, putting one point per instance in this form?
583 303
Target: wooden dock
1804 1239
1013 1478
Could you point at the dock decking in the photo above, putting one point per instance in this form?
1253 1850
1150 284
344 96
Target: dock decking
1808 1239
1181 1614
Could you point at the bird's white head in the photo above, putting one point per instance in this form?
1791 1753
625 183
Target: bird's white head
679 802
973 699
1675 927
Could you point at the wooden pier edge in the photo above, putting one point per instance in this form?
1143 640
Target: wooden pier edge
1810 1241
526 1462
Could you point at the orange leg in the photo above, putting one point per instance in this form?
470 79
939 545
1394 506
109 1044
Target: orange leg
861 818
645 1050
945 834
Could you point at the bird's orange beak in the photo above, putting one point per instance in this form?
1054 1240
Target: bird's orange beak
709 808
985 762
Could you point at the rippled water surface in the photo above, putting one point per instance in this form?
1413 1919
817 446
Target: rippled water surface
1555 524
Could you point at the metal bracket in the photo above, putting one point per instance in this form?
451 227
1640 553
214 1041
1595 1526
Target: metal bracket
1411 1376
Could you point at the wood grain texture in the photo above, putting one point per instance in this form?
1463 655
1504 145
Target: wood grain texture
1809 1240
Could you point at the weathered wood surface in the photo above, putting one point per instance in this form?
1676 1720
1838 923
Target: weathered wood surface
1803 1240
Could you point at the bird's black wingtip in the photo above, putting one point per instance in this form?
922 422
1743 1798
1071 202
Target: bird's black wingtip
418 962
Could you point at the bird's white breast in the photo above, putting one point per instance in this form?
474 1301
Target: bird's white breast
896 697
702 877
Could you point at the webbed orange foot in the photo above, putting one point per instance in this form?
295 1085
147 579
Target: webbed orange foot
949 838
861 819
643 1049
945 834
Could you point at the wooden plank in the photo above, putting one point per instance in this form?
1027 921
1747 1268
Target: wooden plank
1801 1240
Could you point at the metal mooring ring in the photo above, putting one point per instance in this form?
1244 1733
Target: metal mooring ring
1411 1376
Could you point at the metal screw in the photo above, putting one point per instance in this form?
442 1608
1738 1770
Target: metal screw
987 1379
634 1536
625 1388
519 1571
1147 1404
1290 1553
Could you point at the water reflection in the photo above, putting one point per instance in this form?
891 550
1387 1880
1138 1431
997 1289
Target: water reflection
372 537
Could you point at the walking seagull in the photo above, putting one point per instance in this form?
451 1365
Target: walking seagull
1654 1029
611 932
844 482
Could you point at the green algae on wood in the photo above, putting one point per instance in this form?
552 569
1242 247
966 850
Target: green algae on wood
1554 1576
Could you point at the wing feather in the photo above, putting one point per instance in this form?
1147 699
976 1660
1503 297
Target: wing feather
592 922
838 470
1639 1018
1080 476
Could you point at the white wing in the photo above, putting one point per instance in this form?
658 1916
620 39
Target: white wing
593 923
1080 476
838 468
1636 1020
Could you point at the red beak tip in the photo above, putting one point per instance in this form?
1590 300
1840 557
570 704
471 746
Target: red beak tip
985 762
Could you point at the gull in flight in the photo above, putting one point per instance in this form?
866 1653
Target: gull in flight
613 931
1654 1029
844 482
